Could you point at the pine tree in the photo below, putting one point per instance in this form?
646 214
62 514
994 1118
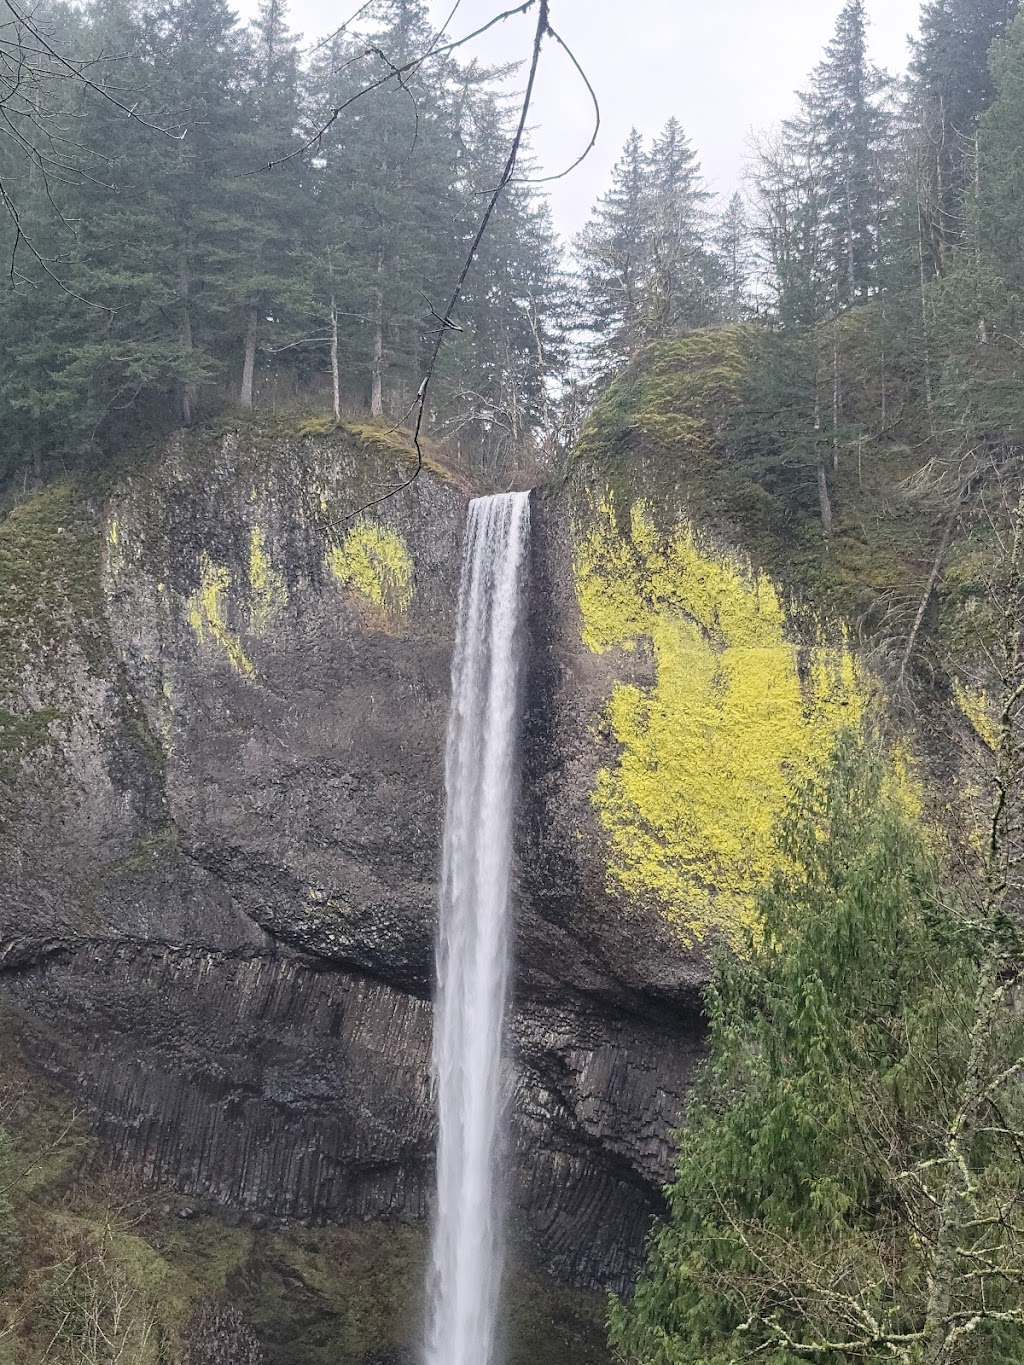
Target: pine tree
253 252
195 85
648 265
682 276
849 1180
953 87
202 252
106 337
975 308
386 187
1000 202
613 251
734 246
844 133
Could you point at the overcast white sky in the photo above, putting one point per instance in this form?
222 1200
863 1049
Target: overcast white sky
722 67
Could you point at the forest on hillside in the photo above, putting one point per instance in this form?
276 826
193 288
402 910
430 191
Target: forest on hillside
200 212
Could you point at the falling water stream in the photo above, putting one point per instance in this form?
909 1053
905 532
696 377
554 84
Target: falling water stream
472 942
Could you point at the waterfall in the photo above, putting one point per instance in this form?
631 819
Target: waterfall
472 941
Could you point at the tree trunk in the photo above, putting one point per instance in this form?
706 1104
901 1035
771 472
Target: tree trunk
335 377
837 396
928 396
37 444
377 371
945 1268
188 394
885 372
940 190
930 586
977 197
824 501
249 365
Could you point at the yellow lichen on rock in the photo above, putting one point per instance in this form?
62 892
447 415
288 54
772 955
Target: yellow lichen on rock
268 592
374 561
207 615
977 706
738 714
119 552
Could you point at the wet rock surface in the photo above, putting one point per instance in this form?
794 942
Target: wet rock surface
220 872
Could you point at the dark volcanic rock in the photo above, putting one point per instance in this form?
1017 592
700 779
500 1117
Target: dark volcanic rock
221 862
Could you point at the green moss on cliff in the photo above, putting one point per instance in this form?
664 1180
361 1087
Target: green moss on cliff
268 592
148 851
672 402
207 612
49 582
50 612
382 437
22 734
697 532
697 426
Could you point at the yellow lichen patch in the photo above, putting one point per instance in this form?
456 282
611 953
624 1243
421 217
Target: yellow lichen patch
119 555
374 561
977 706
738 714
207 615
268 592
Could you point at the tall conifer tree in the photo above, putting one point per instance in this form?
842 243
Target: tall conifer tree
844 131
613 251
954 88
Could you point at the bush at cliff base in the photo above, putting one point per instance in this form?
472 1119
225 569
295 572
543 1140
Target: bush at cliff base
810 1169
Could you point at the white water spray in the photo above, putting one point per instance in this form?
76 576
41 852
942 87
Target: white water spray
472 943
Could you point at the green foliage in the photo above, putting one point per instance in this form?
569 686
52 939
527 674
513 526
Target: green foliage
649 267
718 425
673 400
161 269
953 88
49 593
837 1047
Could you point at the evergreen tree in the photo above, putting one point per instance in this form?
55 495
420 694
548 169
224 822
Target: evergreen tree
255 247
200 251
858 1054
648 266
953 87
194 84
683 277
613 251
844 132
733 243
791 210
1000 202
977 306
386 190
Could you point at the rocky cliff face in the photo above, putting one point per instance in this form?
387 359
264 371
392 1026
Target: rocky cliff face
221 750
